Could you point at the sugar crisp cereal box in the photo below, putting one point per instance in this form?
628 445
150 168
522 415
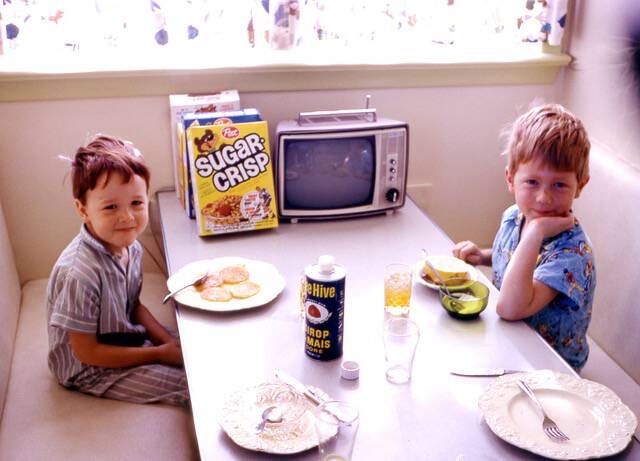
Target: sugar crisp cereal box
180 104
207 118
232 173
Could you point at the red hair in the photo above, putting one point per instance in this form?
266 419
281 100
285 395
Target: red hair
552 134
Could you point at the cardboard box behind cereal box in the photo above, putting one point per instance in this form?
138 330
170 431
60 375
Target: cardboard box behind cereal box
180 104
232 171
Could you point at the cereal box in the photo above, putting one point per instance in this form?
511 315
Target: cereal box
206 118
232 172
180 104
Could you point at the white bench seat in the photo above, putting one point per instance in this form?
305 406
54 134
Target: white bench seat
608 210
41 420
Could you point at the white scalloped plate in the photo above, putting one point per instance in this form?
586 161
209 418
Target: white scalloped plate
264 274
240 414
592 415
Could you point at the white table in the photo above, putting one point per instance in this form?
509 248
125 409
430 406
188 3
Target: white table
434 417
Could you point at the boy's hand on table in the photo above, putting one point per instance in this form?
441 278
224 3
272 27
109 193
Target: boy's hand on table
170 353
469 252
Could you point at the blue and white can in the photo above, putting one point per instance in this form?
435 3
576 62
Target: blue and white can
324 309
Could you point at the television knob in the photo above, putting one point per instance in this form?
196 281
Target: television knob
392 195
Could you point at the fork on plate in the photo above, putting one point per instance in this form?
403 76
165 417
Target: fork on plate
196 282
549 426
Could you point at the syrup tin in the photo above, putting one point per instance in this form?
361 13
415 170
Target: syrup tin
324 309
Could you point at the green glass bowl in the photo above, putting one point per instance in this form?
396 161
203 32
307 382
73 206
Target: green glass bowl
465 303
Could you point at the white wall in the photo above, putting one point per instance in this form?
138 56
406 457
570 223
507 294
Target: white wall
599 86
454 147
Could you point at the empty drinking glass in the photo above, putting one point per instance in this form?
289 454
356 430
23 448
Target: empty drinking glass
337 426
401 336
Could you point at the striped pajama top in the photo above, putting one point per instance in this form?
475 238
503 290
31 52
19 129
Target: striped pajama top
90 291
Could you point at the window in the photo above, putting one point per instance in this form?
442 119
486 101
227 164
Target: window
140 47
122 34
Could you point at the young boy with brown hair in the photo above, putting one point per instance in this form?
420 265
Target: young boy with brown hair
542 260
102 340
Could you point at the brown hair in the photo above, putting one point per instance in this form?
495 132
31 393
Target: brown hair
105 154
552 134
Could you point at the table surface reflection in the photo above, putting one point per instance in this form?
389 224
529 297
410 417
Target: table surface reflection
434 416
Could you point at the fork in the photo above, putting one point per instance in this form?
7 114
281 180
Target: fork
196 282
549 426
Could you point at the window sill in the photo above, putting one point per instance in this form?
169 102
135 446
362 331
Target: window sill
273 71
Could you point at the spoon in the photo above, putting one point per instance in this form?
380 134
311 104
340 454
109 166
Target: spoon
436 273
454 304
198 281
272 414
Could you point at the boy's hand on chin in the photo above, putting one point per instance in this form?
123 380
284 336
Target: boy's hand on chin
551 226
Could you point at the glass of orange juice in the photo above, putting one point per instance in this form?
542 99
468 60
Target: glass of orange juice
397 288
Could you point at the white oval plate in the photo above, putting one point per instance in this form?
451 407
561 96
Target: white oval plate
264 274
594 418
240 415
418 275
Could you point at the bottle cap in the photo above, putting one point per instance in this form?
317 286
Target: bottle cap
326 263
350 370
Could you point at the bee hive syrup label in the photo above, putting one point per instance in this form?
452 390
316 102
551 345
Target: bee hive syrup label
324 312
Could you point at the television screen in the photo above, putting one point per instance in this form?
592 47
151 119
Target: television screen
329 173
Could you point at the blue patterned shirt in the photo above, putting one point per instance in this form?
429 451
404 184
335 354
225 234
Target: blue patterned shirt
565 264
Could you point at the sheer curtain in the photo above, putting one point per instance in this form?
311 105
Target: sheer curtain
202 28
557 16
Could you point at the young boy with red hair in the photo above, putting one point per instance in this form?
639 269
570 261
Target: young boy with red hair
542 260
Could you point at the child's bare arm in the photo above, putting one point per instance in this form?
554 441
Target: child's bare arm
521 295
156 332
88 350
471 253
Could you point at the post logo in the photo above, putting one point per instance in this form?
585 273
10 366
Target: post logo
230 132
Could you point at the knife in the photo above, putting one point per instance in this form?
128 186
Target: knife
299 387
484 372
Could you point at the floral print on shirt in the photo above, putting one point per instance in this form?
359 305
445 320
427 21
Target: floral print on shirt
566 264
